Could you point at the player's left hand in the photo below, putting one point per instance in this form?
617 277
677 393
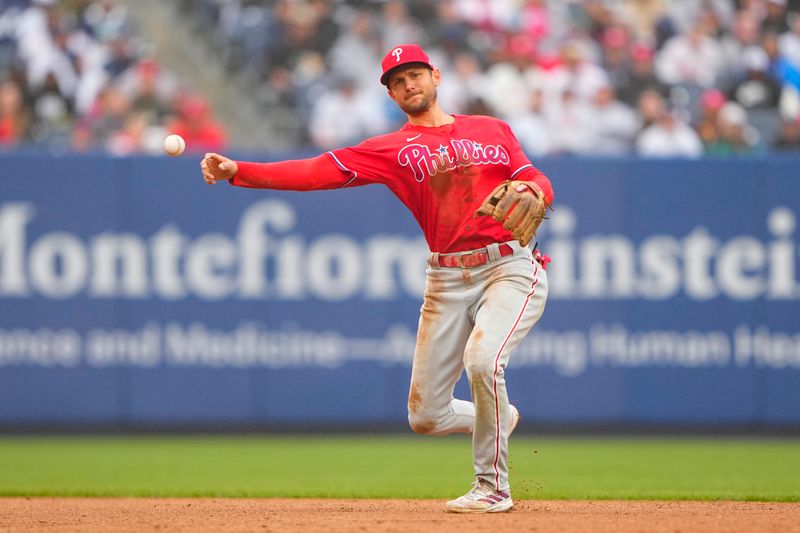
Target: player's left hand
519 205
217 167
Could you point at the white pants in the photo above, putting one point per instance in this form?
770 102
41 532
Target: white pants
473 318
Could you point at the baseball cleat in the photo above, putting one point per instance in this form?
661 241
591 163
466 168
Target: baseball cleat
514 419
481 499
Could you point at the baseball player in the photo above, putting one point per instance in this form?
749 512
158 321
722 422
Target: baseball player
479 202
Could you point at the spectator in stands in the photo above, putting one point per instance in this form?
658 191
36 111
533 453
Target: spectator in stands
397 26
756 7
691 58
149 87
14 117
107 116
252 31
615 124
650 107
598 18
279 90
464 84
35 46
357 45
574 73
789 42
447 28
744 34
534 20
668 136
707 126
789 137
53 109
758 89
641 76
90 58
303 86
295 24
779 66
81 139
571 124
775 17
532 128
105 19
735 135
198 127
122 54
684 14
495 16
130 138
326 31
642 17
478 107
506 90
616 54
331 128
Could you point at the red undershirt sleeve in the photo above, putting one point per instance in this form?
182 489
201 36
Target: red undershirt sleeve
537 176
295 175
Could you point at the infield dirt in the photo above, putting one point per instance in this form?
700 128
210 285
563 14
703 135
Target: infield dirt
407 516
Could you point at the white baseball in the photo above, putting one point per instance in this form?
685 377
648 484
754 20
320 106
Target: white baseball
174 145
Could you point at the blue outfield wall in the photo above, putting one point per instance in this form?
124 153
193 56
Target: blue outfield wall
132 294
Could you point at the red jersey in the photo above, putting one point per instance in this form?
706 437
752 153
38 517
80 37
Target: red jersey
442 174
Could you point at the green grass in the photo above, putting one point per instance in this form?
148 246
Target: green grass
397 467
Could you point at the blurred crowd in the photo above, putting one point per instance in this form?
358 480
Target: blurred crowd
77 76
608 77
597 77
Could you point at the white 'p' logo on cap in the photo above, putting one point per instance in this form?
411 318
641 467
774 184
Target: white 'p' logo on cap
396 53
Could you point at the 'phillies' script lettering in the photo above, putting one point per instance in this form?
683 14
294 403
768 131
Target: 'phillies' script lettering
460 153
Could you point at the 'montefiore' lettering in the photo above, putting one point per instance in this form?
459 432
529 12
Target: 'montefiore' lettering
263 260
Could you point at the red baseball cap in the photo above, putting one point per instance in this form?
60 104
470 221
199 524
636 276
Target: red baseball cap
402 54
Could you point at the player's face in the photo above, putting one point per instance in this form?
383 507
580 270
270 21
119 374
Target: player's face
414 88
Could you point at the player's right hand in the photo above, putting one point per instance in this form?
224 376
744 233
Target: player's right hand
217 167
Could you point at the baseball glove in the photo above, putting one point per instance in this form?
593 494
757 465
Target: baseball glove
519 205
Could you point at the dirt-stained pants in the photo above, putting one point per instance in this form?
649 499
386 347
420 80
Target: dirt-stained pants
473 318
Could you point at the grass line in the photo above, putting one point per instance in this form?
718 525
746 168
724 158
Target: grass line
392 467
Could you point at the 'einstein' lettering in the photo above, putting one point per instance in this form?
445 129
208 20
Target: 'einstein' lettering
461 153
